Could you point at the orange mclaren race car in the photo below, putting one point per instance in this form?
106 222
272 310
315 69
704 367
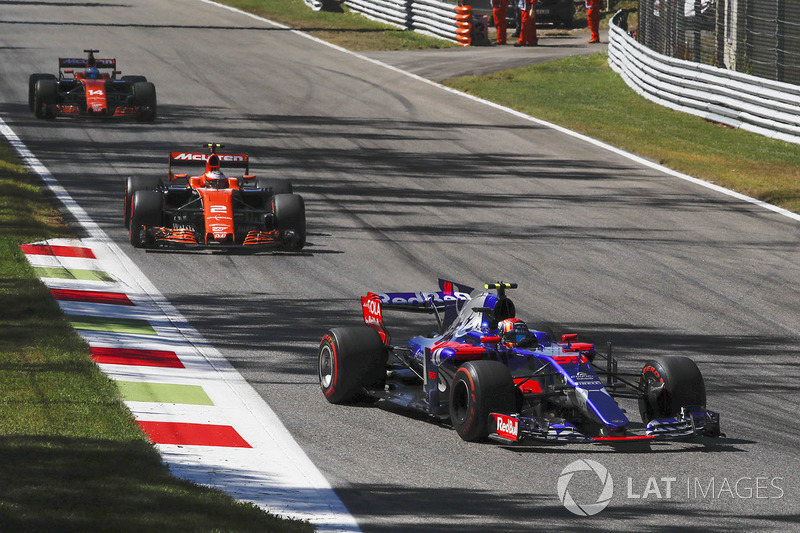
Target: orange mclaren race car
88 91
213 210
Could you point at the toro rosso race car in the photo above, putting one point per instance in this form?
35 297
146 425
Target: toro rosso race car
213 210
82 89
491 376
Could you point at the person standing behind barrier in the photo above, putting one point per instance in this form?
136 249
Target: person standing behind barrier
593 8
527 34
499 8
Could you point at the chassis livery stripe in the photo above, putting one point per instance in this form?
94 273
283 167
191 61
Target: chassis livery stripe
60 251
134 357
72 273
138 391
187 434
97 297
115 325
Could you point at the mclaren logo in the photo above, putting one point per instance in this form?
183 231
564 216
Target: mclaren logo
202 157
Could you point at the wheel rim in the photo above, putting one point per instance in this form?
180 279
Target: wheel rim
460 402
325 367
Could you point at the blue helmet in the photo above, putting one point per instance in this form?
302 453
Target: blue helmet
92 73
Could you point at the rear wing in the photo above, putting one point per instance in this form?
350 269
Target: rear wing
82 62
198 160
449 300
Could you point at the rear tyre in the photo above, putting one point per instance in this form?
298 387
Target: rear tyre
350 360
144 98
32 86
480 388
670 382
45 98
290 215
146 211
276 185
133 184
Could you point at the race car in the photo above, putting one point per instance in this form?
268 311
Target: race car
213 210
492 377
82 89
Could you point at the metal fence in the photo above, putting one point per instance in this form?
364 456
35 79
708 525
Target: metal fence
431 17
758 37
759 105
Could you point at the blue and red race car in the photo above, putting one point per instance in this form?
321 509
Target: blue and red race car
491 376
81 88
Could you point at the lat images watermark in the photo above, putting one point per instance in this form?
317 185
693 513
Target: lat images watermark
593 497
585 509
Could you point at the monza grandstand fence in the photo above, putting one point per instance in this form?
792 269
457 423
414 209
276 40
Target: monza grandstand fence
756 104
431 17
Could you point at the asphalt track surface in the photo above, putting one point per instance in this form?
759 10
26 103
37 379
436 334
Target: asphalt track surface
405 182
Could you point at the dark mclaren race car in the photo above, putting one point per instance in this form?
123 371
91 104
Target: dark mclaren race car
213 210
82 89
491 376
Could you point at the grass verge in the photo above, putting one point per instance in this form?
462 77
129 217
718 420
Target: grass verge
347 29
585 95
71 456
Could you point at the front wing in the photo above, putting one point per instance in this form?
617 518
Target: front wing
162 237
691 422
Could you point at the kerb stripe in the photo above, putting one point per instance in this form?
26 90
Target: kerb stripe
186 434
60 251
97 297
127 356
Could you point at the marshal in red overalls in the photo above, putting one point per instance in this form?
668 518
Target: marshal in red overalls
499 8
593 8
527 13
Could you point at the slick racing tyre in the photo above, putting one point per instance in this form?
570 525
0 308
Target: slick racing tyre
144 98
350 360
146 211
45 98
290 215
669 383
32 86
480 388
133 184
276 185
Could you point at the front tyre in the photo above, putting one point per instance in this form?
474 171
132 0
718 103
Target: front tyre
290 216
669 383
137 183
349 360
480 388
146 211
45 98
32 80
144 98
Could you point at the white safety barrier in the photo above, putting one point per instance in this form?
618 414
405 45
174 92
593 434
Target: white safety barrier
759 105
430 17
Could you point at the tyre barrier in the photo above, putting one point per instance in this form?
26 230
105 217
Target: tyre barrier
435 18
464 25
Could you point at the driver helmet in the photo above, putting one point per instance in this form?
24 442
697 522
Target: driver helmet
513 332
216 180
92 73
